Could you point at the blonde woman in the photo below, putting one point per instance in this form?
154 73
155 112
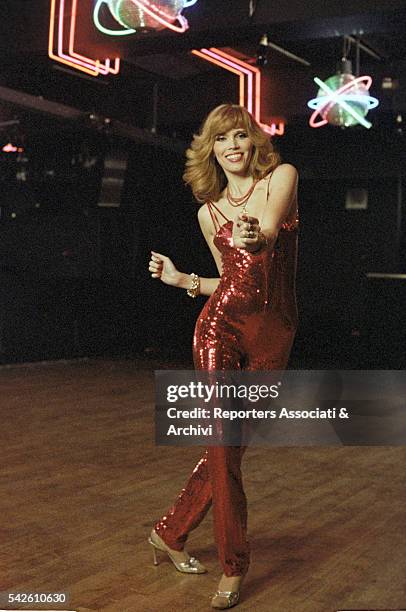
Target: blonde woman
249 220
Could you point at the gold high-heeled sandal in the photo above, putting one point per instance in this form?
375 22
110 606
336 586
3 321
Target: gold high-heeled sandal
191 566
223 600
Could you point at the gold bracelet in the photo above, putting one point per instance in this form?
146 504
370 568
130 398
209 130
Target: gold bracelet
194 290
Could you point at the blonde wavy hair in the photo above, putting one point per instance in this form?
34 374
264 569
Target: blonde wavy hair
203 173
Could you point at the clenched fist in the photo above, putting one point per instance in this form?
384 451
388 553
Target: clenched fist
247 233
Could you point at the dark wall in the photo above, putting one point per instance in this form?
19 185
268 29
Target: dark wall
74 277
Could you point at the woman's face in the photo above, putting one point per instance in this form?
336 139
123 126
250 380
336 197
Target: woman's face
233 151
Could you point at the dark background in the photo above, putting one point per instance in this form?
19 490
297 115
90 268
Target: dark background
73 274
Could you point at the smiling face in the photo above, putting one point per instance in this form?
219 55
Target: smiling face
233 150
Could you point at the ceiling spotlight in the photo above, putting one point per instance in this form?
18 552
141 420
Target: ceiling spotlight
262 51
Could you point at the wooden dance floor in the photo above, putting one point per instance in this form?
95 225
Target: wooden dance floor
82 482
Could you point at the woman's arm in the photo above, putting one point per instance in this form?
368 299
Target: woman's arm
281 199
207 285
163 268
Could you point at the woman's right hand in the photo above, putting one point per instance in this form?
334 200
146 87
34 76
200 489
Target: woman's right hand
163 268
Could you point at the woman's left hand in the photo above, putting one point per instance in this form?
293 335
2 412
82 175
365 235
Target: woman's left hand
247 233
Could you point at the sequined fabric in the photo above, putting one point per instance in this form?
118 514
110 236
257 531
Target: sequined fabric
248 323
216 480
189 508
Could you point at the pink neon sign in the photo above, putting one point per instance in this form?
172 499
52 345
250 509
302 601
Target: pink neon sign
73 59
249 85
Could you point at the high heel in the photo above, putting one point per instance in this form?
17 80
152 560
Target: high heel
191 566
222 600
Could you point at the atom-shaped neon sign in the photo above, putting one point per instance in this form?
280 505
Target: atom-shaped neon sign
143 15
342 100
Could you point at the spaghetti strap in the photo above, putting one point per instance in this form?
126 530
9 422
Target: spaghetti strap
267 187
267 196
213 215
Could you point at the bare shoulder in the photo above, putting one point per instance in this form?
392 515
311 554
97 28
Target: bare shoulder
285 172
203 213
204 218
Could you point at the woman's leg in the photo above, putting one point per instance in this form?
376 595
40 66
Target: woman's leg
218 350
229 508
189 509
216 477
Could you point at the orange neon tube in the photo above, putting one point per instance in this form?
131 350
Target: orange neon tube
103 68
218 62
252 70
64 58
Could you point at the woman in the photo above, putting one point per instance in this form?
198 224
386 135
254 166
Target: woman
249 220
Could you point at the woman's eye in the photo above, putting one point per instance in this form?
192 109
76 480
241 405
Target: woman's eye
222 138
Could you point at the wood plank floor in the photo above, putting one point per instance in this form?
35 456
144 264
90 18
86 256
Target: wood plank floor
82 482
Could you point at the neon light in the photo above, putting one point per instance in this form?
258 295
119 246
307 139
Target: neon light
231 64
103 69
154 8
247 74
94 70
224 59
323 104
274 129
229 68
101 27
96 67
87 65
188 3
155 12
336 97
368 101
252 70
64 58
366 81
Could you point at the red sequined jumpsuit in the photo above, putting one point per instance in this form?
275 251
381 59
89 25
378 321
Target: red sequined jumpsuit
248 323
